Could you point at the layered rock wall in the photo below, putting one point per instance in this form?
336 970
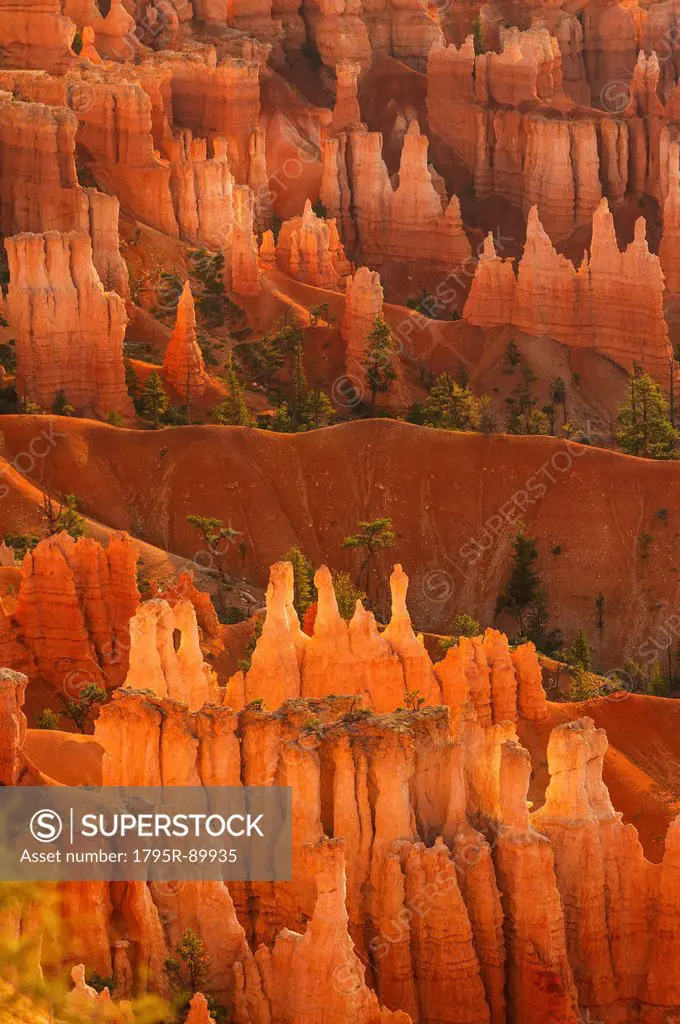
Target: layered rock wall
39 189
72 618
612 304
36 35
409 222
439 896
309 248
69 330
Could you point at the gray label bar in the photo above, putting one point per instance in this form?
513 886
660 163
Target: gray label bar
145 833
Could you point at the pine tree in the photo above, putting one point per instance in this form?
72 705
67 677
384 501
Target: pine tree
188 971
233 411
303 580
281 421
644 425
154 398
346 594
319 411
217 537
61 406
298 405
373 536
380 358
452 407
78 709
463 625
62 515
558 394
525 598
579 651
583 685
131 380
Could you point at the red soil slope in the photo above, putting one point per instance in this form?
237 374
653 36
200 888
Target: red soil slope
606 522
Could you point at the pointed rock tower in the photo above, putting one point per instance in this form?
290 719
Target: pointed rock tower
183 363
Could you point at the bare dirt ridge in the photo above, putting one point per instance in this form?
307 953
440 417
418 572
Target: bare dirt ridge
606 523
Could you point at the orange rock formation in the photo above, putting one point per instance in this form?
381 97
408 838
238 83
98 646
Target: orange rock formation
310 249
383 667
183 362
155 664
39 188
410 221
363 303
69 330
550 297
71 623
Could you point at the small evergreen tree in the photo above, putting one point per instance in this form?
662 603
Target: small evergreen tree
78 709
154 398
346 594
47 719
524 415
281 421
558 395
583 685
578 653
414 700
188 971
317 313
319 410
463 625
298 404
452 407
380 357
267 356
131 381
303 580
644 425
645 677
524 596
60 516
61 405
214 533
244 663
599 605
233 410
373 536
21 542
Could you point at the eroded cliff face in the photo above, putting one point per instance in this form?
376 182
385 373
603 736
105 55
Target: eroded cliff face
384 667
39 188
37 35
71 624
407 222
513 121
612 304
309 248
69 330
439 896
